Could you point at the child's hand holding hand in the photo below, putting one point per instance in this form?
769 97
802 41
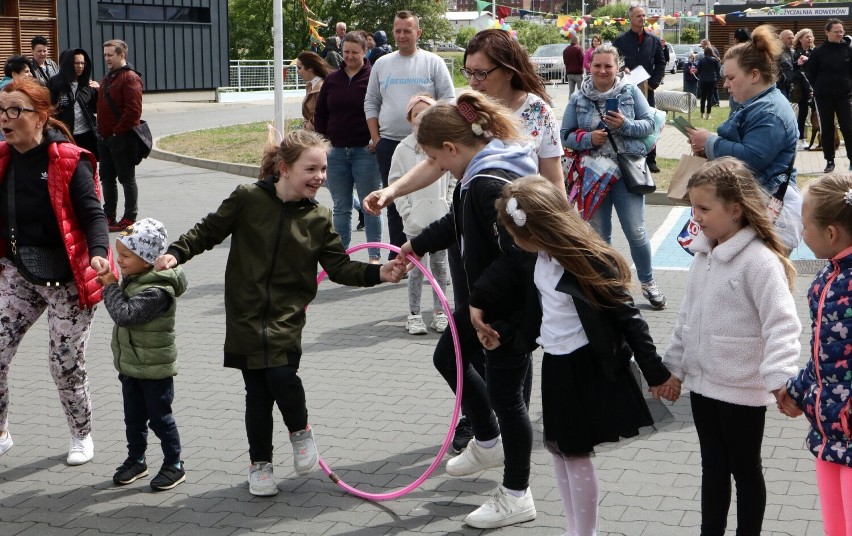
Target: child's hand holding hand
100 265
786 405
164 262
670 389
392 271
107 278
488 336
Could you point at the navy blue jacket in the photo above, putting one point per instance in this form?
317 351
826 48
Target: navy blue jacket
649 55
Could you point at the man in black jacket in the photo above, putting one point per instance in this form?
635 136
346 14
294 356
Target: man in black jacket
639 47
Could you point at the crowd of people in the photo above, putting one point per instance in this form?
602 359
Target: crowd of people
476 182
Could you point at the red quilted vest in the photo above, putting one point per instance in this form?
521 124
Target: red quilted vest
63 159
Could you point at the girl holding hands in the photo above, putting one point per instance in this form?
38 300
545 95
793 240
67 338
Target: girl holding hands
734 359
822 389
589 328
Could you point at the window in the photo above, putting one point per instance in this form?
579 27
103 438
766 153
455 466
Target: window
145 13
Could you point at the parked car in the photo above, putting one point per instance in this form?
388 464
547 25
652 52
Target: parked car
682 52
671 66
448 47
548 61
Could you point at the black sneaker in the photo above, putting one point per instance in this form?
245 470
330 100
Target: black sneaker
464 433
168 477
130 471
829 166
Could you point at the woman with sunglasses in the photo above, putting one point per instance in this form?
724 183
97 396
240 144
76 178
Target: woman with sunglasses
49 196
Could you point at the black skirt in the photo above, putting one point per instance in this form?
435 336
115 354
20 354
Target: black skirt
582 408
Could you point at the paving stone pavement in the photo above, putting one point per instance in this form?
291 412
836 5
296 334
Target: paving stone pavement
379 410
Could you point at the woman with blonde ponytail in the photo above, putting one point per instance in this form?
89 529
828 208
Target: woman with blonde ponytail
476 140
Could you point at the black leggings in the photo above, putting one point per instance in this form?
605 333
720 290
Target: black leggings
730 436
265 387
804 107
503 392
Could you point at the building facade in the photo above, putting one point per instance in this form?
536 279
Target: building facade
179 46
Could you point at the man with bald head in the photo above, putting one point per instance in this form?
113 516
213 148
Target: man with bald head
785 63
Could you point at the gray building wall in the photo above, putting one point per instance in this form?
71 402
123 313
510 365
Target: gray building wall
172 56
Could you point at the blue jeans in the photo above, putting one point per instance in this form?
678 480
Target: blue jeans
631 213
356 167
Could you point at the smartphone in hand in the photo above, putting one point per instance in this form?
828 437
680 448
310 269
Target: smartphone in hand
682 125
611 105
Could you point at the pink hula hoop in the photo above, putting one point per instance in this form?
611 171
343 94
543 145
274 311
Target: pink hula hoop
448 439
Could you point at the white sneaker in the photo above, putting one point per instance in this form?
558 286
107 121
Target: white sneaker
502 510
262 480
80 451
5 443
475 458
800 145
439 322
305 456
415 325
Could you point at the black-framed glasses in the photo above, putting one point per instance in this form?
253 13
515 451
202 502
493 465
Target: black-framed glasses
479 75
14 112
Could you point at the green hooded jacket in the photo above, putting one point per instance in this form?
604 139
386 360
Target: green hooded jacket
148 351
270 276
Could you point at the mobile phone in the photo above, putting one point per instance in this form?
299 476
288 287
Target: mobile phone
611 105
682 125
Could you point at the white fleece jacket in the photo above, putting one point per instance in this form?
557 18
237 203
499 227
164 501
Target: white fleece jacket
737 332
420 208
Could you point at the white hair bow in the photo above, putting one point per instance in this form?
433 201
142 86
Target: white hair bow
518 215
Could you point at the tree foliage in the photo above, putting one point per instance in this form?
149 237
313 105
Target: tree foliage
612 10
532 35
250 24
688 35
464 35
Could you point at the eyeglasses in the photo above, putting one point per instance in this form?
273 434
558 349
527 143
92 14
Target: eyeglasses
14 112
479 75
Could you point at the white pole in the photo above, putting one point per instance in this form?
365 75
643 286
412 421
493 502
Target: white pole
706 20
583 4
278 63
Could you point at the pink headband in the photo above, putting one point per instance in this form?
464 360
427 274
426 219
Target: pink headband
414 101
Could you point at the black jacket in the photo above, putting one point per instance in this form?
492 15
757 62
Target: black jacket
649 55
830 69
615 333
499 274
63 98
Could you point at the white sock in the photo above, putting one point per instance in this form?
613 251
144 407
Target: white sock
515 492
578 488
488 444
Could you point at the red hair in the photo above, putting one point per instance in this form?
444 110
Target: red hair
40 98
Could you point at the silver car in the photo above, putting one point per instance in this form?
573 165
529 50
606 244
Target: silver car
548 62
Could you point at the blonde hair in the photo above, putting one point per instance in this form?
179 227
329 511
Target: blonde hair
554 227
829 202
797 40
289 150
444 123
734 183
760 53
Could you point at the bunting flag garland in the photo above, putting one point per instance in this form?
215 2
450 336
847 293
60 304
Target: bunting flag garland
504 12
313 24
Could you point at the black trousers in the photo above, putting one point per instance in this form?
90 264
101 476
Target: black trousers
149 403
730 437
804 107
115 163
707 95
651 157
384 154
265 387
493 403
827 107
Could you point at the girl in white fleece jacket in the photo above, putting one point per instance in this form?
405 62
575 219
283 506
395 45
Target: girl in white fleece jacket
736 340
417 210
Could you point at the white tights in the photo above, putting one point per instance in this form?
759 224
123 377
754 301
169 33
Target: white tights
578 487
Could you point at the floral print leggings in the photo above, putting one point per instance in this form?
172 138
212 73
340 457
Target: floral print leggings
21 304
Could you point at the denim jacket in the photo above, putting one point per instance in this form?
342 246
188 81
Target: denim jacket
581 114
761 132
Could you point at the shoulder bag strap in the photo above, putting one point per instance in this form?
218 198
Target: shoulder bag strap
109 101
608 133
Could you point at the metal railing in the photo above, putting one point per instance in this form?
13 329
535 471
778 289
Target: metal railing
258 75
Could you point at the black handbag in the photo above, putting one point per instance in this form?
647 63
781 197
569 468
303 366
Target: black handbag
43 266
634 169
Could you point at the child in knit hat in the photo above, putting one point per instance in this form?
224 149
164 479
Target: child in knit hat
144 350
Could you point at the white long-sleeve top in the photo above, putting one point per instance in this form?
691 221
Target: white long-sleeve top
737 332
